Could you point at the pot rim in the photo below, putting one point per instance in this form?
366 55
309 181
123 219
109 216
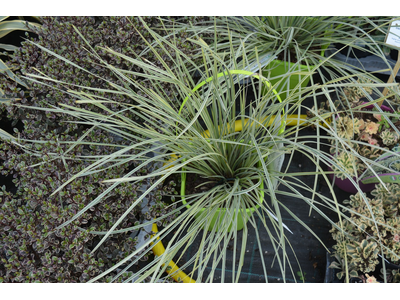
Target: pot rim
248 210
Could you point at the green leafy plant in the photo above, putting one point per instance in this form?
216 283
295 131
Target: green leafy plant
302 276
372 229
236 162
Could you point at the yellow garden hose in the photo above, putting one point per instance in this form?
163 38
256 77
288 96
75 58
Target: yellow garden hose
291 120
174 271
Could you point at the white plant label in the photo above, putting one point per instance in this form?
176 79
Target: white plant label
393 36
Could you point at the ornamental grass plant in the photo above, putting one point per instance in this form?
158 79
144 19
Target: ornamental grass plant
195 137
297 41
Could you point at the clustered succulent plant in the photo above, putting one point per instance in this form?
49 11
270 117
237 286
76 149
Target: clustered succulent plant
359 125
372 228
32 248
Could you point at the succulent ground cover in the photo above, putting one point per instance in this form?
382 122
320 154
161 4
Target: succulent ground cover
367 133
372 229
32 249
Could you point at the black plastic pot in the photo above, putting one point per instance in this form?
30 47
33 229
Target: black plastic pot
394 54
364 60
391 266
352 52
359 53
330 274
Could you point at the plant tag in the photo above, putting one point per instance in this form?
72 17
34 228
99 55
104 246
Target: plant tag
386 161
393 35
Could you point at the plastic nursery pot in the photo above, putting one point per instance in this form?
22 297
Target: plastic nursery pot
345 184
353 52
242 216
233 72
238 124
331 274
277 68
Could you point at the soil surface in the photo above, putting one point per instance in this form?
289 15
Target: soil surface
196 184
